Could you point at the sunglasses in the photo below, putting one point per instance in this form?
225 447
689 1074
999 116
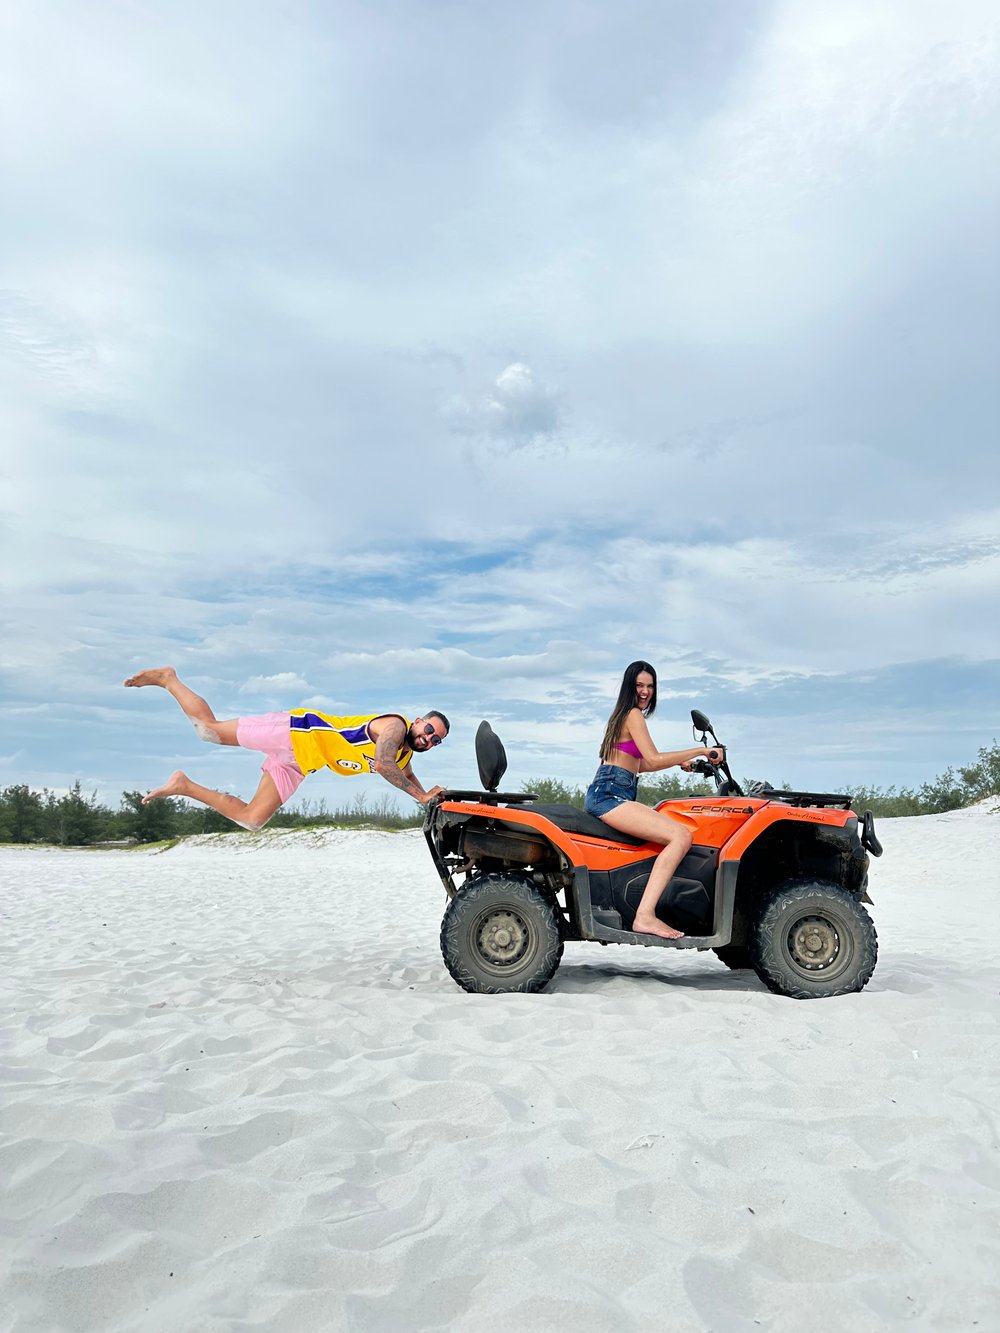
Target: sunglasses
429 731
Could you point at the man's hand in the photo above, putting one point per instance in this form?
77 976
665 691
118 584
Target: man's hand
429 796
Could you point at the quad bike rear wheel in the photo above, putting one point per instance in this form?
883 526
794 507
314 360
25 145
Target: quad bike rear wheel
500 933
813 939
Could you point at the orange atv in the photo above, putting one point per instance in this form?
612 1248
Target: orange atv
774 881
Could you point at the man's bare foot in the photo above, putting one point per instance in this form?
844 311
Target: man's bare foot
654 926
154 676
174 786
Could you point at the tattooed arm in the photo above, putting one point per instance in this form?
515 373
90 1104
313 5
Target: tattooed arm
390 733
424 795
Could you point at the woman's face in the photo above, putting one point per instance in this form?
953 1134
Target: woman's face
643 689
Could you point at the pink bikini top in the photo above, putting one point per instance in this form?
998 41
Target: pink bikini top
629 747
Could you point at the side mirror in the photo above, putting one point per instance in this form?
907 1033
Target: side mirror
700 721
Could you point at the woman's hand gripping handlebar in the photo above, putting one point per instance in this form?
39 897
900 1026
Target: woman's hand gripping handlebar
714 757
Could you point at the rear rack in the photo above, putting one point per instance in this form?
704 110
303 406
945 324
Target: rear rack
488 797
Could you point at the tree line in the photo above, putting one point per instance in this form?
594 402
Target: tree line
76 819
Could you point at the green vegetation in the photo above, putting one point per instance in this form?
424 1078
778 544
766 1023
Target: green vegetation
77 820
949 791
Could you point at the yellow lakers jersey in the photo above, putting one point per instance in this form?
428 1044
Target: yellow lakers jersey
341 743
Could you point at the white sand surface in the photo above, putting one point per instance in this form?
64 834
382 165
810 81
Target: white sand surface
240 1091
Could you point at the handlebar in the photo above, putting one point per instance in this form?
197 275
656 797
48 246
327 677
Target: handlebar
718 771
705 766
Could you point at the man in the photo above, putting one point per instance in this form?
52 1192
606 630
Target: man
296 744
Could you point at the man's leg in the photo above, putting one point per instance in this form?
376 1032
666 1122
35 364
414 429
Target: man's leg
252 814
194 707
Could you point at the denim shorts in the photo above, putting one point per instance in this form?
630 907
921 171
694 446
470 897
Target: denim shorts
612 786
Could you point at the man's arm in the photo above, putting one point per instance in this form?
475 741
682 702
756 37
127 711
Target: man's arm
425 795
412 778
390 733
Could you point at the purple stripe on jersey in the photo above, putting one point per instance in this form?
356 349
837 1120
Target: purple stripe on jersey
313 722
356 735
310 722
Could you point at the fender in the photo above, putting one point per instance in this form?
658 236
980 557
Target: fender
511 815
775 814
603 855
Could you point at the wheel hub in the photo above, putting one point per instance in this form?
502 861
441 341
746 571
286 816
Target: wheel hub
814 943
502 938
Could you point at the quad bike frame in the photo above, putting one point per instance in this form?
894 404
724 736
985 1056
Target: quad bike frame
774 880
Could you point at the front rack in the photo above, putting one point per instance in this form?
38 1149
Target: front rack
802 798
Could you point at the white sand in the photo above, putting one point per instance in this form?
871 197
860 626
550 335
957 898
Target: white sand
239 1091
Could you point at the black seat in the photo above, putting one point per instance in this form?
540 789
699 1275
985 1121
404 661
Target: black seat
572 820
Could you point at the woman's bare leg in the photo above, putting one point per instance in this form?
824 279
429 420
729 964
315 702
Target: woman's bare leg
194 707
642 822
252 814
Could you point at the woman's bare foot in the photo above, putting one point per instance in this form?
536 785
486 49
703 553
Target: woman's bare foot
175 785
654 926
154 676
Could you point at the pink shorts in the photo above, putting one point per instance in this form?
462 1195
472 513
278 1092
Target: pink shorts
269 734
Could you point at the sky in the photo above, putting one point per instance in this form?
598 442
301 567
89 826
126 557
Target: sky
393 356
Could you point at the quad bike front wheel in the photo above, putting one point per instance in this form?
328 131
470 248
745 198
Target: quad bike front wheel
500 933
813 939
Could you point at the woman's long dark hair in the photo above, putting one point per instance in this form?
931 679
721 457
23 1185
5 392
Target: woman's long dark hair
626 702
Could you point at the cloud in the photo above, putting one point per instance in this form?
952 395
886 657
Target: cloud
471 370
515 408
50 348
284 683
447 662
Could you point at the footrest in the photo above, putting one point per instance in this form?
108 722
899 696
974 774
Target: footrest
609 935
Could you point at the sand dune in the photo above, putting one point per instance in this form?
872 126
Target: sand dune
241 1092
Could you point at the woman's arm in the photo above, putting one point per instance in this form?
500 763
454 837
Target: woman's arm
653 759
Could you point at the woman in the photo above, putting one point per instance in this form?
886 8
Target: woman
626 751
